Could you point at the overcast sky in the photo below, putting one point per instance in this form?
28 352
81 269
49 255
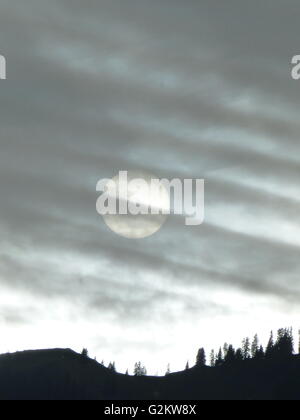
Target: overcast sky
188 89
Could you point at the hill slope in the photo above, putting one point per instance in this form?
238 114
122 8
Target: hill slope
65 375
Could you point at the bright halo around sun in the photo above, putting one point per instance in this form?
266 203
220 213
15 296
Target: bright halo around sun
139 193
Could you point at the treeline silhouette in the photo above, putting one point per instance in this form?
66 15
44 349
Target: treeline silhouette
278 348
250 372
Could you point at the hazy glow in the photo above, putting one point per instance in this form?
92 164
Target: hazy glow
138 191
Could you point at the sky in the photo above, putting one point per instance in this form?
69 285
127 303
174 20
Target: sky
191 89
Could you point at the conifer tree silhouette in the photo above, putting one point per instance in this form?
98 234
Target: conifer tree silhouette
212 359
201 358
85 353
254 346
270 347
139 370
246 348
225 350
112 367
260 354
230 355
168 370
219 360
239 355
284 346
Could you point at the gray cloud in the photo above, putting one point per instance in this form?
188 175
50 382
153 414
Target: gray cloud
185 89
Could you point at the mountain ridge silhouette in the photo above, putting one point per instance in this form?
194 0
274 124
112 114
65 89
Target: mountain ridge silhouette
62 374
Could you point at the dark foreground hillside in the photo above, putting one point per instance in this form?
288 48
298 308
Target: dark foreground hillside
63 374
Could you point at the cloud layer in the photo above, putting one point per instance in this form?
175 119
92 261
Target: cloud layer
180 89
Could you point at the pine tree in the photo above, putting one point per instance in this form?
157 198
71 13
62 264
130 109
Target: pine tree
112 367
239 355
260 354
284 346
219 360
85 353
201 358
230 355
187 366
168 370
212 358
246 348
270 347
136 370
254 346
139 370
225 350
